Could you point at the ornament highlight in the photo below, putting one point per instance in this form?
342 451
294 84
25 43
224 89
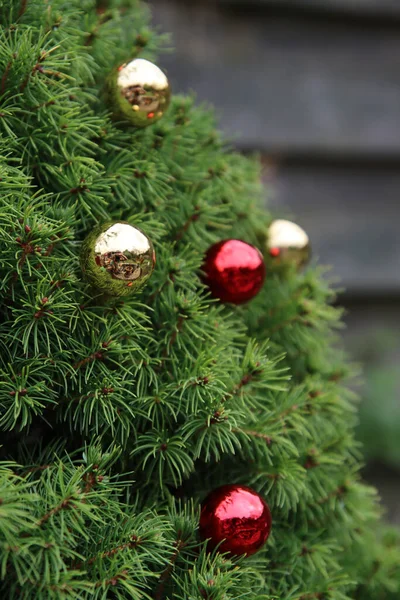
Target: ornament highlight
234 271
139 92
287 244
237 518
117 258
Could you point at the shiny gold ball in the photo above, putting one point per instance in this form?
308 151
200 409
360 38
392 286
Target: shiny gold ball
139 92
117 258
287 245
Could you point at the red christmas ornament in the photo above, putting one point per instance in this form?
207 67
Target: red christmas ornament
234 271
236 516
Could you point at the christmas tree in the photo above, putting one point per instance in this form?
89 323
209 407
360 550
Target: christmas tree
129 392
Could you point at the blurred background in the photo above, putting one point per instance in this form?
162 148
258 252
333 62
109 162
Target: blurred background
314 87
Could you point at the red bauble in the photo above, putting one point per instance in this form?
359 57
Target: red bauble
234 271
236 516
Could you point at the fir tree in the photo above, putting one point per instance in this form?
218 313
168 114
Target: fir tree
118 417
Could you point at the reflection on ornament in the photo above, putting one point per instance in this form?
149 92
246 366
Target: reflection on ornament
117 258
139 92
236 519
287 244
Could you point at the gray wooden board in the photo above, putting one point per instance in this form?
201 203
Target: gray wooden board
286 84
352 216
355 7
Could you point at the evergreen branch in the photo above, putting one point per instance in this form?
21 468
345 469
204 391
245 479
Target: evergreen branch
36 469
288 303
290 321
285 413
336 493
246 380
44 104
22 9
166 574
91 479
103 18
171 342
169 279
133 543
4 78
377 564
192 219
177 330
84 361
112 581
255 434
66 503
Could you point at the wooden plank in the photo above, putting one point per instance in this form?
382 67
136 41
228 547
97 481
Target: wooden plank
352 215
383 8
289 85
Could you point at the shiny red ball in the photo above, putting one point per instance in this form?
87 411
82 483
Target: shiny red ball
234 271
236 516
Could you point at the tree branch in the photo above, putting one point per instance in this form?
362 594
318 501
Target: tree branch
4 78
133 543
159 593
255 434
66 503
246 379
22 8
194 217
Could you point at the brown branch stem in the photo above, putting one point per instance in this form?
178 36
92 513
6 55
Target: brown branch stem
194 217
4 78
22 8
107 554
36 469
174 335
159 593
255 434
339 491
246 379
113 580
88 359
156 293
103 18
66 503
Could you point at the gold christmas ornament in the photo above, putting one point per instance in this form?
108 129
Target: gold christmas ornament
139 92
287 244
117 258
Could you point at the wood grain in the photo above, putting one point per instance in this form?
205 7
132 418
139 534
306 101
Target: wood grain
289 85
352 214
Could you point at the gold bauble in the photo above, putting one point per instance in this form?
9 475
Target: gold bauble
139 92
287 244
117 258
